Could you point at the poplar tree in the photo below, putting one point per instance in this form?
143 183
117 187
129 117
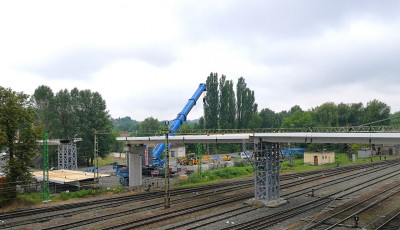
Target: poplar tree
211 102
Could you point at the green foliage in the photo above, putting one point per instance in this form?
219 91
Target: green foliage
211 102
297 155
149 126
18 136
270 119
376 111
396 119
255 122
35 198
315 147
355 147
227 104
326 115
298 120
78 194
246 105
219 174
75 113
125 124
349 114
239 162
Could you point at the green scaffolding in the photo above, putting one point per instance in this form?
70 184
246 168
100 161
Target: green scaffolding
200 155
46 190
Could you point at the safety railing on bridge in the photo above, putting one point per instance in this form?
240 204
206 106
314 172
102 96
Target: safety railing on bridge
347 129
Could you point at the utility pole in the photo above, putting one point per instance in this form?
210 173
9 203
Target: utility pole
46 190
167 197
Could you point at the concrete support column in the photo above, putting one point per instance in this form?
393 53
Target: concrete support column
134 161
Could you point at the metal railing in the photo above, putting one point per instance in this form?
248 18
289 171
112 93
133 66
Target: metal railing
346 129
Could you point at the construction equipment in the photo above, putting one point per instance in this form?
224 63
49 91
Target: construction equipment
226 158
176 124
192 159
207 158
158 163
122 172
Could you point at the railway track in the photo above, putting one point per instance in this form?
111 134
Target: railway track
177 191
356 209
393 223
279 217
210 219
89 206
275 218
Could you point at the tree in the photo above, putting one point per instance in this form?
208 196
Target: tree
356 111
326 115
211 102
255 121
125 124
298 120
270 119
232 104
227 105
245 102
18 135
396 119
376 111
149 126
76 113
294 109
240 87
42 102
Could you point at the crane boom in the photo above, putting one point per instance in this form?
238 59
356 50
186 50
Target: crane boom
176 124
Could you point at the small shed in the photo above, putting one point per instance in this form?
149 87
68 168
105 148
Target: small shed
390 150
319 158
365 152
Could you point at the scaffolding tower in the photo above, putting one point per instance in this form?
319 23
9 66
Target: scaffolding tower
67 155
266 169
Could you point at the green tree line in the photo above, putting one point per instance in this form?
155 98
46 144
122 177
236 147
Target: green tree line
76 113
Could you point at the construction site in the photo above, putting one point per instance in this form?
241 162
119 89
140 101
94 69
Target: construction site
342 197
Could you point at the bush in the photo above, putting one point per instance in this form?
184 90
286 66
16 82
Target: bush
238 162
77 194
219 174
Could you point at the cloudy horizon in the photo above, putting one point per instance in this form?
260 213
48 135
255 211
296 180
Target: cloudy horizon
146 58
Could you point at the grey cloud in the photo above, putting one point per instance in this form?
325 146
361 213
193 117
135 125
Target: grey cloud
79 63
243 21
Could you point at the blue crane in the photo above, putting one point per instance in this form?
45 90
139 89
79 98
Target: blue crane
176 124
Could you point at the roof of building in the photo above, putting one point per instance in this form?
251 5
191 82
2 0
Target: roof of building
66 176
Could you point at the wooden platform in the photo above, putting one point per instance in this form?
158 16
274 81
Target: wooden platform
66 176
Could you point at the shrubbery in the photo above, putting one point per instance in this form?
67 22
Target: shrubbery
222 173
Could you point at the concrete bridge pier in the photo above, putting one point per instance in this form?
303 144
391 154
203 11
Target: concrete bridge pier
134 161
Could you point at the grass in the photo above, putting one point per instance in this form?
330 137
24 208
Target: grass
109 160
340 158
34 198
218 175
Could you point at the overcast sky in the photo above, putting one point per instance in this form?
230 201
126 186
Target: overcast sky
146 58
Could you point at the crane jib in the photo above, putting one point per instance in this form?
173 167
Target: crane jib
177 123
